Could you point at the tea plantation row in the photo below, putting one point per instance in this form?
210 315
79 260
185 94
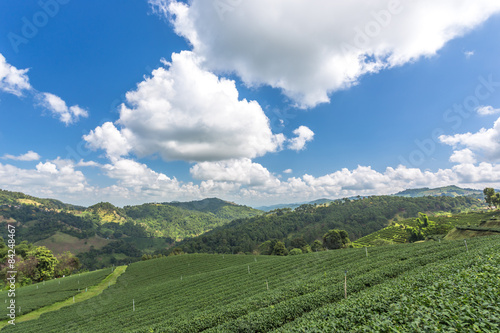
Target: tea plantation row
231 293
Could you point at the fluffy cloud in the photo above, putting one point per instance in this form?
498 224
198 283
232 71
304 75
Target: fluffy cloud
304 134
29 156
55 179
138 183
58 108
13 80
464 156
109 138
486 110
240 180
187 113
486 141
242 171
310 48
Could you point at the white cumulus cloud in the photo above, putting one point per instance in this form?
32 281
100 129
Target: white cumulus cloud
303 135
13 80
58 108
109 138
29 156
311 48
242 171
186 113
54 179
486 141
464 156
486 110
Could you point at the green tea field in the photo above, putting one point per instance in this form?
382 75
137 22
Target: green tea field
433 286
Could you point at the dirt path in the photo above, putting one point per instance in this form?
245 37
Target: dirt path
92 292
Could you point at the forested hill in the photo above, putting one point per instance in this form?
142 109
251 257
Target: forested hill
18 198
220 208
177 222
104 234
358 217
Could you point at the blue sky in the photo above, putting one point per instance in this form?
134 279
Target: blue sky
249 101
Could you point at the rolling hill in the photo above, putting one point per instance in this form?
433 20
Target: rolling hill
113 235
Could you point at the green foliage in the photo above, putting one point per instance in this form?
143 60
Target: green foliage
220 208
295 251
317 246
306 249
423 228
176 251
335 239
181 220
280 249
491 198
67 264
46 263
397 232
115 253
16 199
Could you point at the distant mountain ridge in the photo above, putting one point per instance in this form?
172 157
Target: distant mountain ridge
294 205
449 191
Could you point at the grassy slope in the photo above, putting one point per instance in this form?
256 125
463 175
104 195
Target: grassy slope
228 293
61 242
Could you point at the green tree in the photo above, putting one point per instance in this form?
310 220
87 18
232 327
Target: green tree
489 196
298 242
177 251
306 249
47 262
317 246
280 249
335 239
68 263
423 228
267 247
295 251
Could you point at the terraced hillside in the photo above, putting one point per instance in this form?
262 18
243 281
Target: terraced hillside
305 293
396 232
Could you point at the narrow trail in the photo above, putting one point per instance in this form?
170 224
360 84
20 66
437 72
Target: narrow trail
92 292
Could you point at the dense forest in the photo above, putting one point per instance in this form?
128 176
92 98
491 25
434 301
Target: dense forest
359 217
